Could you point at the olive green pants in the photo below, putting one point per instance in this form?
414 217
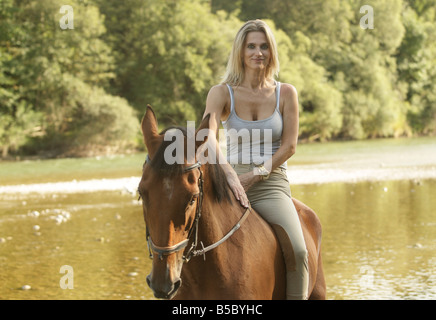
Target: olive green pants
271 198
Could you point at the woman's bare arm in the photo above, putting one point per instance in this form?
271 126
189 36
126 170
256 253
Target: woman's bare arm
218 106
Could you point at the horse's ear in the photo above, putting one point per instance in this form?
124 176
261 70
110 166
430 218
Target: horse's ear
202 132
150 132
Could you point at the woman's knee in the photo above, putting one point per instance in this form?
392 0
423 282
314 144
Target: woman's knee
301 254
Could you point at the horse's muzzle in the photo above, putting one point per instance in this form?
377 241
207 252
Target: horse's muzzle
166 291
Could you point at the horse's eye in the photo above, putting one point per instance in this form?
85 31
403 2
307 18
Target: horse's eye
193 199
141 196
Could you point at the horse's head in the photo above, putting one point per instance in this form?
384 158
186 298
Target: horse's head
171 195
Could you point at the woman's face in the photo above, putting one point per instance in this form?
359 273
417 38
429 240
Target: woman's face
256 53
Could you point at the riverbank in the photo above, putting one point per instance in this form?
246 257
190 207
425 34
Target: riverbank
355 161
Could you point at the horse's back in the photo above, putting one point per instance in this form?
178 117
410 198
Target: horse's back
264 255
312 231
267 261
268 264
310 221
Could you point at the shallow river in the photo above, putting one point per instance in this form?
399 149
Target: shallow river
375 201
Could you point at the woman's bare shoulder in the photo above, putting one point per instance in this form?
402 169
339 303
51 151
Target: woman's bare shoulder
218 94
288 98
219 89
218 101
288 90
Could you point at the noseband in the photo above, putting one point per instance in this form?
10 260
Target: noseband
192 252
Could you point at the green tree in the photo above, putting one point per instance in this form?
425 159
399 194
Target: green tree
17 118
94 121
169 53
60 89
320 102
38 61
416 59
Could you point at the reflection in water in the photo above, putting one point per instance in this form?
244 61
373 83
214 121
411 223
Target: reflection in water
103 241
379 238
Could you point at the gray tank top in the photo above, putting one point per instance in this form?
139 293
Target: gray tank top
256 141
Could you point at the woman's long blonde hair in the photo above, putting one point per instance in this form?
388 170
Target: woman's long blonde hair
235 66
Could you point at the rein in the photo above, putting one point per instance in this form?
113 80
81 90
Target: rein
192 252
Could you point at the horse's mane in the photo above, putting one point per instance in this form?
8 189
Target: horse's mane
221 190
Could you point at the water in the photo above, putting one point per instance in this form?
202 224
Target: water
379 238
102 239
375 201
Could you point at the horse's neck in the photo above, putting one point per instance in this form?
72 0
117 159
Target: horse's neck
216 217
215 221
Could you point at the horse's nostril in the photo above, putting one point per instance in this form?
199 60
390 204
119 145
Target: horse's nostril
163 293
177 285
149 281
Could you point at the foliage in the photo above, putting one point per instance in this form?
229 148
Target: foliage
90 121
82 91
169 55
44 68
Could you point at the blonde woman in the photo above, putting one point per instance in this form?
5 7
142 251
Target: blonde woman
249 98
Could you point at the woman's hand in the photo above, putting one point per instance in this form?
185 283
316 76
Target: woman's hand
236 187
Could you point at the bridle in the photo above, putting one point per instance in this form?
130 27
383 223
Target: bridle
192 252
166 251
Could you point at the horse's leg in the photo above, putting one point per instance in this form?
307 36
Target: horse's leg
319 290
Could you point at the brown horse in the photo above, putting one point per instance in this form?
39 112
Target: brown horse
189 206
